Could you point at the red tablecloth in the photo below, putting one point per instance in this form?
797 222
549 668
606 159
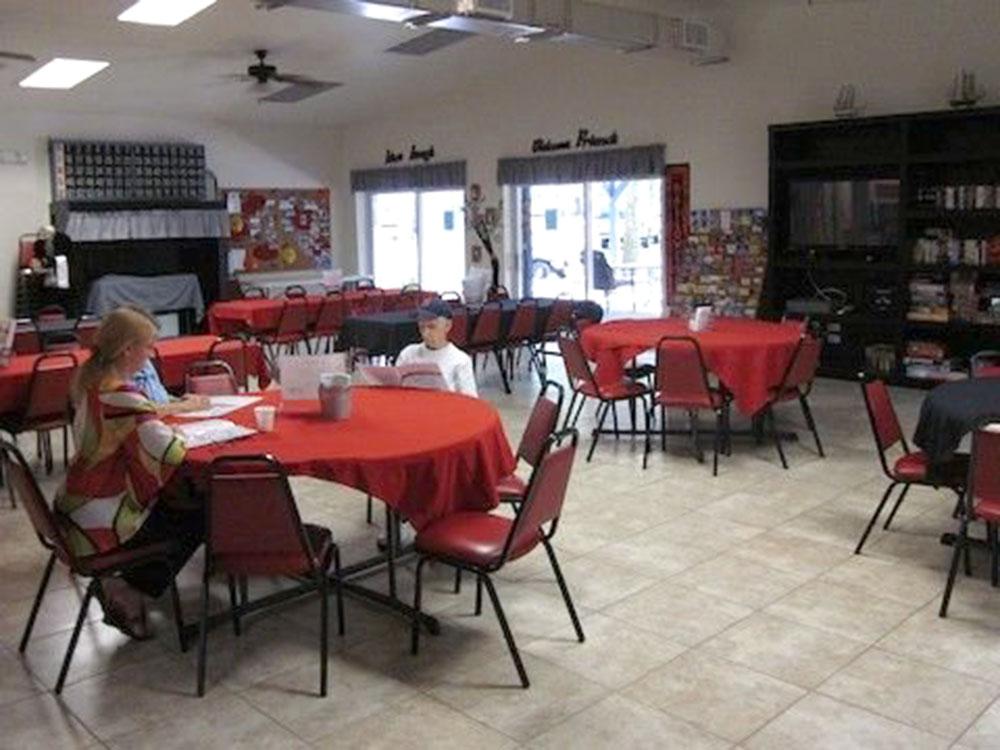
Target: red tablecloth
748 356
424 468
259 315
175 356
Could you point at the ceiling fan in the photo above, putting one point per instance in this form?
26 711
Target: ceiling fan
16 56
299 87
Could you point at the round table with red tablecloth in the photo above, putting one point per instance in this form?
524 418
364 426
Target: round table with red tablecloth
748 356
424 453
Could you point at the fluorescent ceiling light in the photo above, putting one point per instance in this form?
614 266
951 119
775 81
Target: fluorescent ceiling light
62 73
164 12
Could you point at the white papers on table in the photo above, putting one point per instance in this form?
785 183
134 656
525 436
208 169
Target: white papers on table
299 375
220 406
209 431
411 376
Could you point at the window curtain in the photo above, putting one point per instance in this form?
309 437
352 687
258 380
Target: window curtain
584 166
444 176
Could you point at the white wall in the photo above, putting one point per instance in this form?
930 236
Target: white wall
240 156
788 62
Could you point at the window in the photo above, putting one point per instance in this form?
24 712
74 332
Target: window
595 240
417 236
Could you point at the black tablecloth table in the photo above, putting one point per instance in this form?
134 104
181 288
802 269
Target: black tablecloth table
951 411
385 334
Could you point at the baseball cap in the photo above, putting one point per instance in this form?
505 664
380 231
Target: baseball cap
436 308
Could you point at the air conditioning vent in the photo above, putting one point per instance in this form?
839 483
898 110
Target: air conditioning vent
696 35
500 9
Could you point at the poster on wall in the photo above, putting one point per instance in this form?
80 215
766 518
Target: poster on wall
677 215
279 229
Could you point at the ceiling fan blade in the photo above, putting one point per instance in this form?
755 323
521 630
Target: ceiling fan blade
18 56
299 91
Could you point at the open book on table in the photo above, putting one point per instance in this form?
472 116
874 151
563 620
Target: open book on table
410 376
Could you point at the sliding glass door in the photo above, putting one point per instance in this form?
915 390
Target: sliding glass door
417 237
596 240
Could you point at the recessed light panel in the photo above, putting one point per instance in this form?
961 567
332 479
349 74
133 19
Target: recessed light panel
164 12
62 73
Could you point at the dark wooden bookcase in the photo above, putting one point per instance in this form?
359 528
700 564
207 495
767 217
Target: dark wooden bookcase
947 165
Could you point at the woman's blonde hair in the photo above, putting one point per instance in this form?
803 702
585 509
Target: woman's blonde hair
118 330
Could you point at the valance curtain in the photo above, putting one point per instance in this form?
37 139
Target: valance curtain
110 226
444 176
584 166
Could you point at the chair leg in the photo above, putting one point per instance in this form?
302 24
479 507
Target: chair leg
648 442
663 427
602 411
390 549
234 606
65 434
503 371
71 648
991 535
458 580
415 624
719 427
30 625
479 595
324 631
508 636
579 411
807 413
960 544
773 424
339 588
899 501
569 411
874 518
564 590
614 418
370 509
203 636
696 437
175 602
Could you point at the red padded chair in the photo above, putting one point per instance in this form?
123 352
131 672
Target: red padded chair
796 383
452 298
486 338
210 377
47 407
681 382
23 485
330 320
233 351
371 302
459 333
253 292
912 467
985 364
522 333
292 330
560 318
410 297
253 528
982 502
584 386
295 291
482 543
50 313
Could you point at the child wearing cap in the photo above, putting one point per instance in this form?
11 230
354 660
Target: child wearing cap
434 321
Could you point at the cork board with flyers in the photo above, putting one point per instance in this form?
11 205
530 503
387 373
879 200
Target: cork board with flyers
279 229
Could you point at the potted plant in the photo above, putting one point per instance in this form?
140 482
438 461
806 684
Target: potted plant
487 223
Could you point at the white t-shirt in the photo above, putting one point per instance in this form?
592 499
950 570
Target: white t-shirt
455 365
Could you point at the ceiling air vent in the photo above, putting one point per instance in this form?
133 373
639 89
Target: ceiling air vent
502 10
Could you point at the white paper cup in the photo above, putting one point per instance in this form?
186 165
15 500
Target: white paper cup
265 417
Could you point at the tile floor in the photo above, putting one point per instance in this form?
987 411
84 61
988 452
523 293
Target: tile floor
719 613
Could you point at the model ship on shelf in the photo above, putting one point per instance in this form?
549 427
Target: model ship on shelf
964 91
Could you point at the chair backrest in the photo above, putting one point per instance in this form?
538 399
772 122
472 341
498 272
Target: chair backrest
23 486
50 313
294 291
561 316
372 301
410 298
408 288
487 328
459 333
294 316
452 298
577 368
542 423
211 377
253 292
232 351
364 283
681 375
49 389
523 325
252 523
984 463
802 367
985 364
883 419
331 314
546 493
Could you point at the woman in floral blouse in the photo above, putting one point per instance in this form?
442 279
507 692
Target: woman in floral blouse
122 489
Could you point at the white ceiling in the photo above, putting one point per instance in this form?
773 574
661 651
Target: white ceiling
184 71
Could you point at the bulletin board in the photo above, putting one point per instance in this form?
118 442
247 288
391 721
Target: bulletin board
279 229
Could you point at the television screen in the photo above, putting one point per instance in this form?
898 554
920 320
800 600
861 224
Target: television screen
844 213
